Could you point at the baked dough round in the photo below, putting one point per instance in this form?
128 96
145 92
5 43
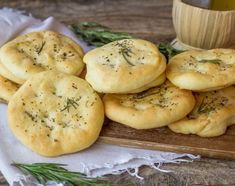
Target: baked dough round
158 81
7 88
213 113
153 108
8 75
54 113
39 51
123 66
202 70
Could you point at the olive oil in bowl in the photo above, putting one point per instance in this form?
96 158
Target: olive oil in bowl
222 5
219 5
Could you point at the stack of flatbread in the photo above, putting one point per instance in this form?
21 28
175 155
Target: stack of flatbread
131 73
53 111
198 97
50 110
210 74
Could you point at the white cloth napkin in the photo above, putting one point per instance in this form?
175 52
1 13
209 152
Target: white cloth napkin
100 159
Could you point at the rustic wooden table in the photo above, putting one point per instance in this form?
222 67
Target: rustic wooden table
151 20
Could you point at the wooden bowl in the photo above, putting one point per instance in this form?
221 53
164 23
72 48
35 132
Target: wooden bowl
203 28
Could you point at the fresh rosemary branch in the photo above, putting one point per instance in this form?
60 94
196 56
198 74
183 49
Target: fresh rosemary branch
168 51
44 172
96 34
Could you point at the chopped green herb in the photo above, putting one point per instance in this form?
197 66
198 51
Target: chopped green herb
126 52
70 102
30 115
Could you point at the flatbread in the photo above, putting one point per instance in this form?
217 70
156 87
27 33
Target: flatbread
158 81
153 108
8 75
213 113
123 66
39 51
7 89
204 70
54 113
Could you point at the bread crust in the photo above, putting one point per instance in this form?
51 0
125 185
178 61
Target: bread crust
213 113
156 107
35 52
54 113
7 88
202 71
123 66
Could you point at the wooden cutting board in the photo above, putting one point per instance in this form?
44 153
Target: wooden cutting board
165 140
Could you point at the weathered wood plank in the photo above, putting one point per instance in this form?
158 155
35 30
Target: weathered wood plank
166 140
149 19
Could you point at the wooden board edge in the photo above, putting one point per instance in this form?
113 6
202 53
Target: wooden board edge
205 152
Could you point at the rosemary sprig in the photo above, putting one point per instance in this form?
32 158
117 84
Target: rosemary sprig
70 102
96 34
40 49
44 172
168 51
213 61
126 52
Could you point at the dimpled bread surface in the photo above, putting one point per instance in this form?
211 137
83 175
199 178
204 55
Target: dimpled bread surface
202 71
213 113
123 66
54 113
156 107
39 51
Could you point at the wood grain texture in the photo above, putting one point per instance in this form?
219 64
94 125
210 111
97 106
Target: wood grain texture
149 19
166 140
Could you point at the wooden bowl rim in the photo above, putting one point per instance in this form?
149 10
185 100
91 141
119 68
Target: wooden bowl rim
204 9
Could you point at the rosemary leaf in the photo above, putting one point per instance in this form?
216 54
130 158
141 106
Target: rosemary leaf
213 61
44 172
40 49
